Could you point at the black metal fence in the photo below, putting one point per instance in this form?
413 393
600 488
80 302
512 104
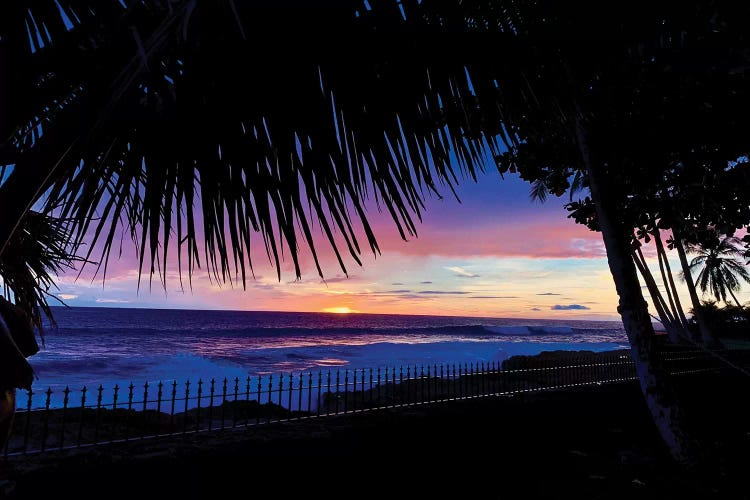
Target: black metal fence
91 417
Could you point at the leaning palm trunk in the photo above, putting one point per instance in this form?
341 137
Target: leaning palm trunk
735 298
665 317
654 381
671 293
706 336
669 283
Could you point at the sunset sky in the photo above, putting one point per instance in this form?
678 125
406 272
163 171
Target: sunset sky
496 254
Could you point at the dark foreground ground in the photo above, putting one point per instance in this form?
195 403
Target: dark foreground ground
587 443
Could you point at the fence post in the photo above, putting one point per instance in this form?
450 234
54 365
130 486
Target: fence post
98 413
145 412
223 402
159 393
328 394
171 413
442 383
309 393
422 383
66 394
45 428
338 379
83 412
299 397
406 387
291 389
393 377
199 396
371 390
416 383
270 397
462 372
495 377
234 406
379 400
400 386
187 400
429 383
27 427
434 381
211 392
115 393
483 380
362 390
320 389
452 388
465 383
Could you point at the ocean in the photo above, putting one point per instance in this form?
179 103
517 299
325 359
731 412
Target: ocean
108 346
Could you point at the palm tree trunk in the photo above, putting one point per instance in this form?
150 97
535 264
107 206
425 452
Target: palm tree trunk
735 298
7 411
655 384
670 276
661 307
662 270
706 336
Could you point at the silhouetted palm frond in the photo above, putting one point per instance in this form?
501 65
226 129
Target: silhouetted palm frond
169 110
36 255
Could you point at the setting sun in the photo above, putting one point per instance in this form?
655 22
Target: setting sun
338 310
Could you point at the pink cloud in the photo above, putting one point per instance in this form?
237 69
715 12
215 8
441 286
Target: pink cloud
506 237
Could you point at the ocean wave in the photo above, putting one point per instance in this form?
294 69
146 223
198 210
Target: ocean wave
530 330
274 332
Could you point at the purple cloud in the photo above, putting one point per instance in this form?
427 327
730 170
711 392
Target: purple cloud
569 307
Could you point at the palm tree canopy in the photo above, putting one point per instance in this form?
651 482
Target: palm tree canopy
272 116
719 267
193 108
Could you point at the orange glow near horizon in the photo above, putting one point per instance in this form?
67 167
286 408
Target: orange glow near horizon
339 310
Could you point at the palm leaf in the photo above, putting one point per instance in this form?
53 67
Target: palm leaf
182 105
28 267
